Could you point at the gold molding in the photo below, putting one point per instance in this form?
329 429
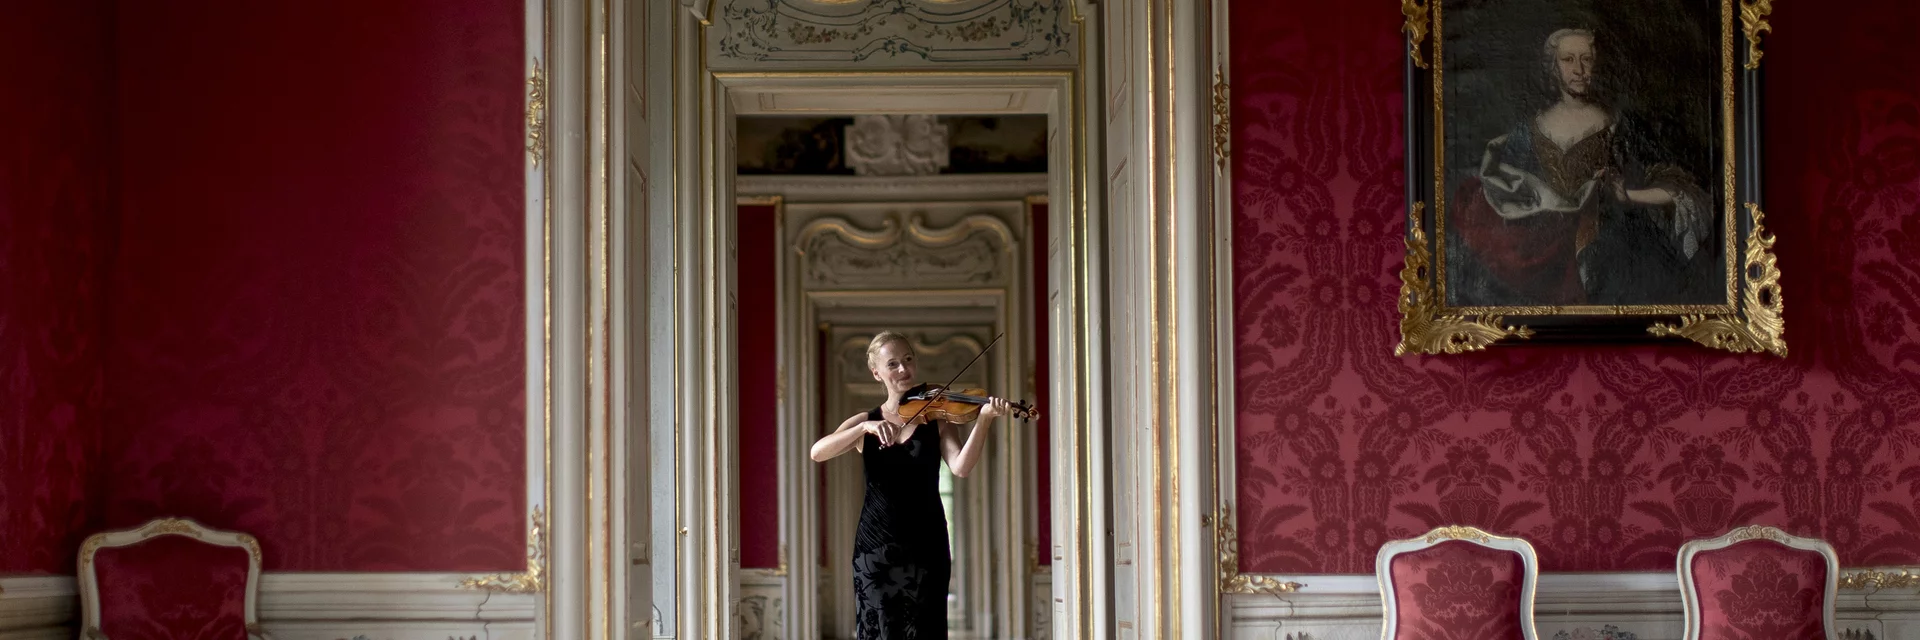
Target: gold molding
1753 20
1227 542
1417 14
537 113
533 580
1876 579
1763 323
782 569
1222 130
1423 329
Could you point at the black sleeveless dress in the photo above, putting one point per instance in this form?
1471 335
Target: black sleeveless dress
901 561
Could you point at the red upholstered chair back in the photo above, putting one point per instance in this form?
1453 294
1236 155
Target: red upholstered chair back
1758 583
1457 583
170 579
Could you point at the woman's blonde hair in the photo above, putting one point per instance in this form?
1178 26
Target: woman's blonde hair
883 339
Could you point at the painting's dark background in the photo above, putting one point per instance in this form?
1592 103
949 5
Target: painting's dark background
1658 66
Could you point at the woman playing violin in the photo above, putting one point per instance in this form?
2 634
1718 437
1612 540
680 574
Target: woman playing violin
901 561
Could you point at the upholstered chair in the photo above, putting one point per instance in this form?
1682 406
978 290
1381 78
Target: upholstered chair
1758 583
169 579
1457 583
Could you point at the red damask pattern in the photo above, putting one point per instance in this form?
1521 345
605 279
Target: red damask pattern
316 331
1458 591
1761 590
1604 458
172 588
56 210
758 299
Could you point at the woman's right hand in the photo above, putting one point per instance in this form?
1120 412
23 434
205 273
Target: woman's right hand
881 429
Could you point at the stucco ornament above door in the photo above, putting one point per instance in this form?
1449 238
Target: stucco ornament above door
892 33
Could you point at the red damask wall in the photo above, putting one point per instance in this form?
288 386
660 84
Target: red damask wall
1605 458
758 341
315 329
56 214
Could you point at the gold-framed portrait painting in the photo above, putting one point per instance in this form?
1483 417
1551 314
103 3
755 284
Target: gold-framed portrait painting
1585 170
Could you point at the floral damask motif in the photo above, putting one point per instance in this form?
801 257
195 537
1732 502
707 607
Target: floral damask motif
1760 590
1630 450
333 361
1458 591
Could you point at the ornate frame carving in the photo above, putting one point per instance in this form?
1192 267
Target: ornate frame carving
90 581
1383 570
1747 319
1689 590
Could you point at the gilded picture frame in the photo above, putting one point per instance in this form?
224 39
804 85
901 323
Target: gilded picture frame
1585 171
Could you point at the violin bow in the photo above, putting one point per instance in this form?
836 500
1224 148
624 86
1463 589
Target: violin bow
956 375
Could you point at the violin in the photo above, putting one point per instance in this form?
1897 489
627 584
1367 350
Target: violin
956 406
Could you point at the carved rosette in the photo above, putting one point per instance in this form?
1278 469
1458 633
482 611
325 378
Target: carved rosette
533 580
897 145
1762 326
1227 542
1423 329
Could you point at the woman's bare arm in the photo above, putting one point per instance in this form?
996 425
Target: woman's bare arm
851 434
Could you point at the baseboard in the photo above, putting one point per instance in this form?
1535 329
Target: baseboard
1647 605
311 606
38 607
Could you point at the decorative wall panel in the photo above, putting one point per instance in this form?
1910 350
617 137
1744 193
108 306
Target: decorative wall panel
56 219
827 34
315 330
1605 457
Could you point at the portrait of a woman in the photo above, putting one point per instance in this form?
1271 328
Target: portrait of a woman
1583 203
902 561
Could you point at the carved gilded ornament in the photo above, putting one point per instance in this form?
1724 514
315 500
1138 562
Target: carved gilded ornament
836 252
1763 326
1423 329
1458 532
1753 21
1226 541
1756 532
537 114
1222 130
533 580
1876 580
1418 21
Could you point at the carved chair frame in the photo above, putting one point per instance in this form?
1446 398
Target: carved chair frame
1383 571
1689 588
90 581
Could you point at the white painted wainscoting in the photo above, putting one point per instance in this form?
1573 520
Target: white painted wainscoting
38 607
1569 606
311 606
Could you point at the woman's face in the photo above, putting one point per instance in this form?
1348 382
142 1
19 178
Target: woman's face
893 366
1573 58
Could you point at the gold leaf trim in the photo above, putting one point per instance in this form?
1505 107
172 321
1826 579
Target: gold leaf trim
1222 108
1418 16
782 569
1458 532
1753 20
1227 542
1764 324
1874 579
1756 532
533 580
537 113
1423 329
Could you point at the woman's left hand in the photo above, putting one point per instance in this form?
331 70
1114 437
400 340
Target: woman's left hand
994 408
